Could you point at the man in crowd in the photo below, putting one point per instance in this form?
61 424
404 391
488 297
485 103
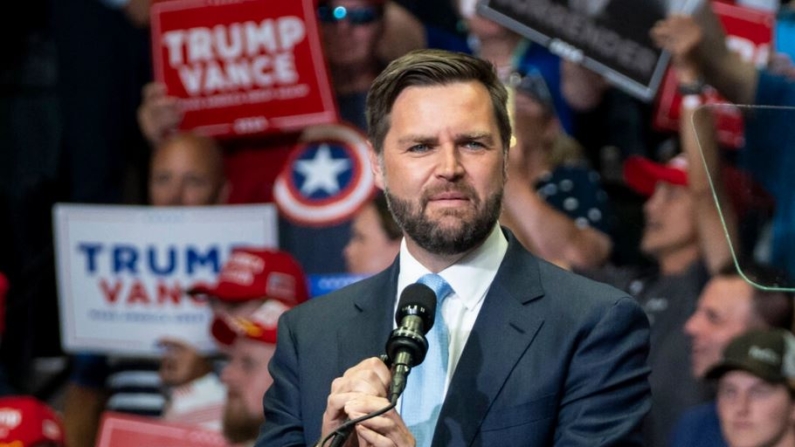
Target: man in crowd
255 287
352 32
187 170
683 235
729 306
756 389
254 282
440 132
698 42
184 170
375 239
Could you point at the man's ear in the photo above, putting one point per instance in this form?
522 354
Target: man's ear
375 166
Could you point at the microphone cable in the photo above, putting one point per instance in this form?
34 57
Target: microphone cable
340 435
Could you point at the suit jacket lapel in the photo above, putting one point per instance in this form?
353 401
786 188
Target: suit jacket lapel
505 327
365 333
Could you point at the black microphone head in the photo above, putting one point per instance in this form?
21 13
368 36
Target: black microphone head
420 300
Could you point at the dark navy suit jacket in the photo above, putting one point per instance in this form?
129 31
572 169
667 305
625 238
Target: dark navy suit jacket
553 359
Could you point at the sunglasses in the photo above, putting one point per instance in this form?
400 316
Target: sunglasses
356 16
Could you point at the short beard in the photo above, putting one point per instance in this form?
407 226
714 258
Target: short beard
238 425
446 241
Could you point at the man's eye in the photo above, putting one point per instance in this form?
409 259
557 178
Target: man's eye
474 145
419 148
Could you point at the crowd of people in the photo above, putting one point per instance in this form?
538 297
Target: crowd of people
499 167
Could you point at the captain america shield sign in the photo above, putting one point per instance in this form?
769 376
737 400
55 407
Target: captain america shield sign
327 178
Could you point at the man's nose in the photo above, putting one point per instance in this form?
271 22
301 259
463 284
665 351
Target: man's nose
449 164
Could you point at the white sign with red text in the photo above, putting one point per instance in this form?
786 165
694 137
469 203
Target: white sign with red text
122 271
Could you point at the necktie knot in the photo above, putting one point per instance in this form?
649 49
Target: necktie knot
439 286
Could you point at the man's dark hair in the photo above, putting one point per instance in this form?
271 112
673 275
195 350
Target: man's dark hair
774 307
426 68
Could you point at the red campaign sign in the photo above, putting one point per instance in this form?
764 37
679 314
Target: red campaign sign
748 32
121 430
242 67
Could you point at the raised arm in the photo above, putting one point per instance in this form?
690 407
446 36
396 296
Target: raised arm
540 227
701 40
681 35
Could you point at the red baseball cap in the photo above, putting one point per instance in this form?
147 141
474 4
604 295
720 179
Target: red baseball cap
254 273
26 421
642 174
259 326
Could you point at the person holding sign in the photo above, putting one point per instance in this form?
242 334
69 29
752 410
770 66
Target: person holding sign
535 355
185 171
352 31
698 42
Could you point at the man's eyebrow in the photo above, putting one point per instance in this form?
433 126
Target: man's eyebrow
486 137
425 139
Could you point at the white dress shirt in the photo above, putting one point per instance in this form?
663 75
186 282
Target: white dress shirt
470 279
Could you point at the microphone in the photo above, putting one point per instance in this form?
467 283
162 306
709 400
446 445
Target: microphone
407 346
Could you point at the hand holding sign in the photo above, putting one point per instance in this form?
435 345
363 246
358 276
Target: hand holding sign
159 114
241 67
679 35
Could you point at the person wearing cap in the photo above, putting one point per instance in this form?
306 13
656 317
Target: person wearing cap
27 422
684 237
756 389
728 307
254 286
249 343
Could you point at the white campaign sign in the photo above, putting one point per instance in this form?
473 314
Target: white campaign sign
122 271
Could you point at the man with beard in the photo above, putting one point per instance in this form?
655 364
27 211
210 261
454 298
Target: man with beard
246 376
535 356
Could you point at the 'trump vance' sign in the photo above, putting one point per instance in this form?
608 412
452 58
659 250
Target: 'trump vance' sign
242 66
122 271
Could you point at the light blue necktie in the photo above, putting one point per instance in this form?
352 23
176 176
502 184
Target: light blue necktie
424 394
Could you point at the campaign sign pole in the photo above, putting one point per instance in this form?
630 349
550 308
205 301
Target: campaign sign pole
242 67
122 271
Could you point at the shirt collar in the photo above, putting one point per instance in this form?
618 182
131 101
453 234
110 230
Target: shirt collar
470 277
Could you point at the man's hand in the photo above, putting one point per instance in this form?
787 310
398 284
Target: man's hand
159 114
181 363
137 12
680 35
360 391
